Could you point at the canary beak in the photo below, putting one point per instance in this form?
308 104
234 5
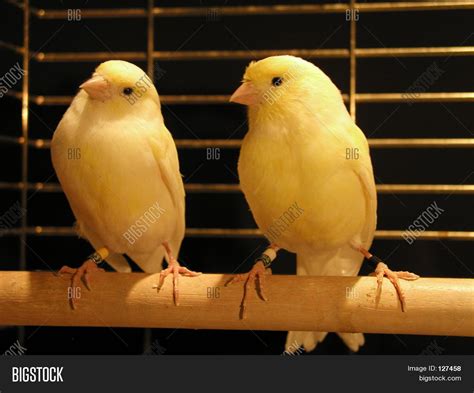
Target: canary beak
246 94
97 87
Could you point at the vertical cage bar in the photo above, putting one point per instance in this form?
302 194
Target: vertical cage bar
354 15
150 39
24 130
24 147
150 68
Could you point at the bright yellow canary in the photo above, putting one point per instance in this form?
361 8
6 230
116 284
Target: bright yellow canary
118 166
306 173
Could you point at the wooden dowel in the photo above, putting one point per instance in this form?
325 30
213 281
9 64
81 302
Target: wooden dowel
435 306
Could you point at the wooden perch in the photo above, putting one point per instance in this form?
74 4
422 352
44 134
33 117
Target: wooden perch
435 306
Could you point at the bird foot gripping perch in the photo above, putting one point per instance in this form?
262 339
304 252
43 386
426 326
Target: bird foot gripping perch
263 262
176 269
381 270
259 270
83 272
93 260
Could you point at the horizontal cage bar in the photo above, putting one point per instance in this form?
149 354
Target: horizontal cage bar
259 10
464 189
375 143
218 99
340 53
244 233
12 47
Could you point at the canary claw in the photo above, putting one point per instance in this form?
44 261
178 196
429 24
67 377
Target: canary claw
382 270
176 269
257 271
83 274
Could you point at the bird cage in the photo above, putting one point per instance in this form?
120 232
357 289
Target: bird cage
404 71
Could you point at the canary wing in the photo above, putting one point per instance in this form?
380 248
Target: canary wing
166 157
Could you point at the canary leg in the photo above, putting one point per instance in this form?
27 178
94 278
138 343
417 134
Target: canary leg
258 271
83 273
176 269
381 270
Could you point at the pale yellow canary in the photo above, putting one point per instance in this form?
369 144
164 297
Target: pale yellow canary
118 166
304 157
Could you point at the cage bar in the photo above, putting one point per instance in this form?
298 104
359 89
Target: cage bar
375 143
221 99
300 9
245 233
352 98
25 102
338 53
462 189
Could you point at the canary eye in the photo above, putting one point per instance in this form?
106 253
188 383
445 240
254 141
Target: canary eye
127 91
277 81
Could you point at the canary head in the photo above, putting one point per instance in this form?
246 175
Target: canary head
283 84
118 83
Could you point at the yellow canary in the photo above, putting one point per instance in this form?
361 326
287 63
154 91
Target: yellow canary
118 166
306 173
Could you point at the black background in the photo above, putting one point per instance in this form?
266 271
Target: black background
374 30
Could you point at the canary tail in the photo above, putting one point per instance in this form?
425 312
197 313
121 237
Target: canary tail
151 262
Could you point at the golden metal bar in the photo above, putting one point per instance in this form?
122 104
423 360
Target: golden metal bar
12 47
18 4
375 143
25 101
245 233
212 188
418 97
381 234
381 188
197 11
463 189
150 47
380 143
352 60
260 10
88 56
391 143
251 10
205 143
223 232
427 235
416 52
339 53
151 74
191 55
51 100
415 6
250 55
45 187
218 99
14 94
10 140
38 143
39 231
194 99
165 99
92 13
